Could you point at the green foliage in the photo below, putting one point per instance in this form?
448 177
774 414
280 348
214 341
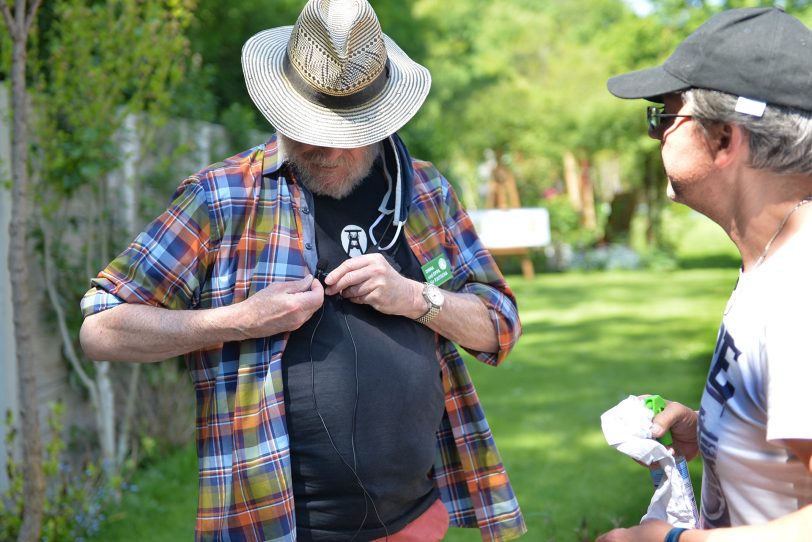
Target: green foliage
523 78
237 119
100 62
218 33
11 504
565 223
74 495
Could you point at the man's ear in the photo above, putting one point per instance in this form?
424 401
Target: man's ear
728 143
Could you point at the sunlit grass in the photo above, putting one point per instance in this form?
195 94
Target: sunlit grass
590 340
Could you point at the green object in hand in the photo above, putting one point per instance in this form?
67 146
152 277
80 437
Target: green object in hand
656 404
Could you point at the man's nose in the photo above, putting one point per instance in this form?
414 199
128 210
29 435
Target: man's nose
331 153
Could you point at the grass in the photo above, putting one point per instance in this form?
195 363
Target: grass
590 340
161 507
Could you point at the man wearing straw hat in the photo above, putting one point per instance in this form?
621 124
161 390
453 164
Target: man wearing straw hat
315 284
735 128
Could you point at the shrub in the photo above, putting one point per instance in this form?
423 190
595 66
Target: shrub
73 497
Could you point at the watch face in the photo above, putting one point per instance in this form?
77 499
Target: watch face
434 295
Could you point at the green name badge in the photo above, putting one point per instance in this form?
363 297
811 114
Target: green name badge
437 271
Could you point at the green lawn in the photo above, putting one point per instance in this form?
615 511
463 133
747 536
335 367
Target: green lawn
162 507
590 340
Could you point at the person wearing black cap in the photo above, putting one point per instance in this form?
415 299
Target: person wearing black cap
735 128
318 284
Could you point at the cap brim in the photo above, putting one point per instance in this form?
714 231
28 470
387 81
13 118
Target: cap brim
650 83
292 115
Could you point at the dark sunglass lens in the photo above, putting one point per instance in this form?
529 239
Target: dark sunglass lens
653 118
653 121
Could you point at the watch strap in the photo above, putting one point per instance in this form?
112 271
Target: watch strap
433 309
674 534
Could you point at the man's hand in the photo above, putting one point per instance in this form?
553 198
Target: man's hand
681 421
281 307
370 280
134 332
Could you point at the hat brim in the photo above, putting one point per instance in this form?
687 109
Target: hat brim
651 84
292 115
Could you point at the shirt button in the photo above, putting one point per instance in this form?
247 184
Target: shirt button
309 246
306 210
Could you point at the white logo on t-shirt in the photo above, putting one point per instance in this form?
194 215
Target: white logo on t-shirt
354 240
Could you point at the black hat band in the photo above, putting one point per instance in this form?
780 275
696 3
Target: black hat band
330 101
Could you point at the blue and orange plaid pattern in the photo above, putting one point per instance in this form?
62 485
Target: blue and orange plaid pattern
230 231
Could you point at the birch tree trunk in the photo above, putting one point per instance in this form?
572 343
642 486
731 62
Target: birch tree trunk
19 25
123 187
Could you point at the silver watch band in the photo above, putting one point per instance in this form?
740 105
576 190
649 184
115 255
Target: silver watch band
430 314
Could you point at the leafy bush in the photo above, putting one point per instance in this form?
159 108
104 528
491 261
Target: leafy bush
74 495
565 223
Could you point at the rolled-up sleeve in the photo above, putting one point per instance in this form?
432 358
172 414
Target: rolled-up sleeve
476 272
98 300
505 318
166 264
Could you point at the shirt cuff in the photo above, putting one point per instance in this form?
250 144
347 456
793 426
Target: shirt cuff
96 300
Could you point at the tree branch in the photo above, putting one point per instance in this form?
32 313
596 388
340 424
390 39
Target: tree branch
29 19
13 29
50 287
129 411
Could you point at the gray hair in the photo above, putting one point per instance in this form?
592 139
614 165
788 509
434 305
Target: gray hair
780 141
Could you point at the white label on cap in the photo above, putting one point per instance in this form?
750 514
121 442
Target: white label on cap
750 107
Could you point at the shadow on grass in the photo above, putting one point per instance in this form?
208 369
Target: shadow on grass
710 261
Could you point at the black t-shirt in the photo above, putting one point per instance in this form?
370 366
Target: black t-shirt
396 380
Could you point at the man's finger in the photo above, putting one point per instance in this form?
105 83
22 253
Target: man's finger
350 264
302 285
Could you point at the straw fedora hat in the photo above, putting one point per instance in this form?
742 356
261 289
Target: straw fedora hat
334 79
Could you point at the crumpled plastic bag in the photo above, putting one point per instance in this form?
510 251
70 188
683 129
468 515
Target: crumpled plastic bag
627 427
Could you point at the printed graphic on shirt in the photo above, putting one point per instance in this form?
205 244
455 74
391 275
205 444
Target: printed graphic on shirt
719 388
354 240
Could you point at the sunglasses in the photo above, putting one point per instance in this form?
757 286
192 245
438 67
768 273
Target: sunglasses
656 124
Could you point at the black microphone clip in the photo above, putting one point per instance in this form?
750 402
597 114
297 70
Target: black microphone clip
321 271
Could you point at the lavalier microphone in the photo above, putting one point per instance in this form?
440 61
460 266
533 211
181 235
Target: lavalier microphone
321 271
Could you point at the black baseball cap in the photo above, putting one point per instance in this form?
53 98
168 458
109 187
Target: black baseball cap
762 54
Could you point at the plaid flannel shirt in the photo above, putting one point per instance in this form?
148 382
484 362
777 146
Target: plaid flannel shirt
230 231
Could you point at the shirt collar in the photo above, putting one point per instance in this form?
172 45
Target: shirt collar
274 158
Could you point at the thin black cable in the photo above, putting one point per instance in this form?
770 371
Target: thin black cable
353 468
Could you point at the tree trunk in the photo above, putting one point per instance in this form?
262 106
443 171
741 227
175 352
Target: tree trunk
23 299
654 190
589 218
123 447
106 416
100 388
573 181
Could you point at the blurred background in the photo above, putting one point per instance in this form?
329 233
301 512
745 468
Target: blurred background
125 98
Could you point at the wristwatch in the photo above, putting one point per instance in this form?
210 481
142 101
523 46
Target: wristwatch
434 298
